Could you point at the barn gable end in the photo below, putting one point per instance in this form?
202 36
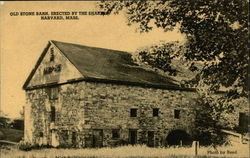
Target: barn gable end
54 68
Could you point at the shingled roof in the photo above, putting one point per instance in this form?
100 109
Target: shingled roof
105 65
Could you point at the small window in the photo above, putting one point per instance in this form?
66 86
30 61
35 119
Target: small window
177 114
52 56
155 112
133 112
53 93
53 113
115 133
40 134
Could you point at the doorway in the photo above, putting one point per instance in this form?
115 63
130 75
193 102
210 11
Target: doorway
132 136
178 137
97 138
151 141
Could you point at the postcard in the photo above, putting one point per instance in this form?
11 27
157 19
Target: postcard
124 79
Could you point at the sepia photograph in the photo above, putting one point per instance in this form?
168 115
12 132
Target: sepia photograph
124 79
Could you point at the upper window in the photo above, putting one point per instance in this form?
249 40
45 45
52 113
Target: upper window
52 56
53 113
53 93
115 133
155 112
133 112
177 114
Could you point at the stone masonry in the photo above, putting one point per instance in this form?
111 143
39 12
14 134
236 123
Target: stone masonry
85 106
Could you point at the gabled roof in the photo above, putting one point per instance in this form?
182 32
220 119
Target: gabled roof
105 65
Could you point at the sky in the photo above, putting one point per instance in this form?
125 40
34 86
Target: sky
22 39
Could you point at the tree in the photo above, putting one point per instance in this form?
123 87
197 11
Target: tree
169 58
216 37
4 120
216 33
159 56
209 120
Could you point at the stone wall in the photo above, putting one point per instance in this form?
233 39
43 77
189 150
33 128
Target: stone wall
37 117
83 108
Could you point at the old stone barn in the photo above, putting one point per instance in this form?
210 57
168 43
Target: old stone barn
79 96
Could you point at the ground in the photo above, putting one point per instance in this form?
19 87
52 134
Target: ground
11 150
130 152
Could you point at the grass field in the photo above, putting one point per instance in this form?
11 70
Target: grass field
128 152
237 150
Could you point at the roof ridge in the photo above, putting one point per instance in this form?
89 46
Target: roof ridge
55 41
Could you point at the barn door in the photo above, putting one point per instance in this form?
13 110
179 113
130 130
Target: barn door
73 139
132 136
151 142
97 138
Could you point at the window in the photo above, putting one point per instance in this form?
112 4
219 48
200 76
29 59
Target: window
177 114
133 112
53 113
40 134
52 56
53 93
115 133
155 112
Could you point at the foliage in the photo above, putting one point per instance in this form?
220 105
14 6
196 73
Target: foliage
215 112
5 147
216 36
26 146
160 56
209 120
216 33
5 122
169 58
66 146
